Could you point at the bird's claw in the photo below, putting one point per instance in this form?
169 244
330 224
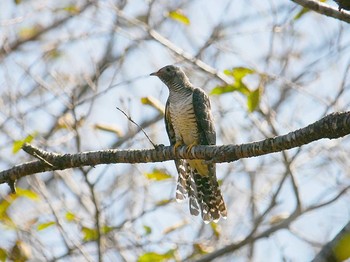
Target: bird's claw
158 146
177 144
189 148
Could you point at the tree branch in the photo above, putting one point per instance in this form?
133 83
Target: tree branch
10 47
332 126
324 9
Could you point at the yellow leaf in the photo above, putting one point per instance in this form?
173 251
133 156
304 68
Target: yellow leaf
90 234
148 230
175 227
27 193
177 15
17 144
238 73
202 248
109 128
278 218
156 257
3 255
70 216
151 101
302 12
216 229
53 54
158 175
28 32
341 250
73 9
163 202
43 226
253 100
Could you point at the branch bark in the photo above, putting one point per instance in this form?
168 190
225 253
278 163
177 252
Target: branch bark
332 126
324 9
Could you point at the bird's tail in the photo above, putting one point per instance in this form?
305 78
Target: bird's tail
210 199
203 192
186 186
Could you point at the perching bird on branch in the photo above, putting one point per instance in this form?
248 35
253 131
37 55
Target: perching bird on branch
343 4
189 122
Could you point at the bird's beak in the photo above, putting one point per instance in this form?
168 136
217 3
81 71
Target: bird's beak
154 74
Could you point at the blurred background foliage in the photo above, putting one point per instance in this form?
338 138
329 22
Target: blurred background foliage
270 67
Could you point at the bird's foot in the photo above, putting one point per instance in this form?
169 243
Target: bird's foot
177 144
189 147
158 146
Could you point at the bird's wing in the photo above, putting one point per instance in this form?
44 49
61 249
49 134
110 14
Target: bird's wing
168 124
205 122
209 194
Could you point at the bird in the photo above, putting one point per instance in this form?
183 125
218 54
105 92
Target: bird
189 122
343 4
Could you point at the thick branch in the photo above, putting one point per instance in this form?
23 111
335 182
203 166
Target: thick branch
324 9
335 125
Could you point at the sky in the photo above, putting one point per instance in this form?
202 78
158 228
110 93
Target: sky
314 43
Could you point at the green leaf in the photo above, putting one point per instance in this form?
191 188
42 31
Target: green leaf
3 255
28 32
53 54
238 73
253 100
158 175
70 216
17 144
242 88
73 9
148 230
238 86
200 248
163 202
302 12
106 229
218 90
45 225
156 257
4 206
216 229
27 193
341 250
177 15
89 234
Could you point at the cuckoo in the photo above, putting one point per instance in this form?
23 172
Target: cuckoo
188 121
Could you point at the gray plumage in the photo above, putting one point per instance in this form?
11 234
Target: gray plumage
188 121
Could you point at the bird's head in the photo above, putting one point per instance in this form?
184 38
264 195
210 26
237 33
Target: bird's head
171 75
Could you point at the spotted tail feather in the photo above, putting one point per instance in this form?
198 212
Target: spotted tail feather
210 198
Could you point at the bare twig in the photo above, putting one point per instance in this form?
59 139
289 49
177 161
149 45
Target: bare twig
136 124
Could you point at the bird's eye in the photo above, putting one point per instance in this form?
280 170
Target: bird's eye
168 70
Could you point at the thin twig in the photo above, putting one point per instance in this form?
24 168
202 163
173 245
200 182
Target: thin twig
143 131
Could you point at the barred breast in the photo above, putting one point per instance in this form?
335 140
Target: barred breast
184 120
185 126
